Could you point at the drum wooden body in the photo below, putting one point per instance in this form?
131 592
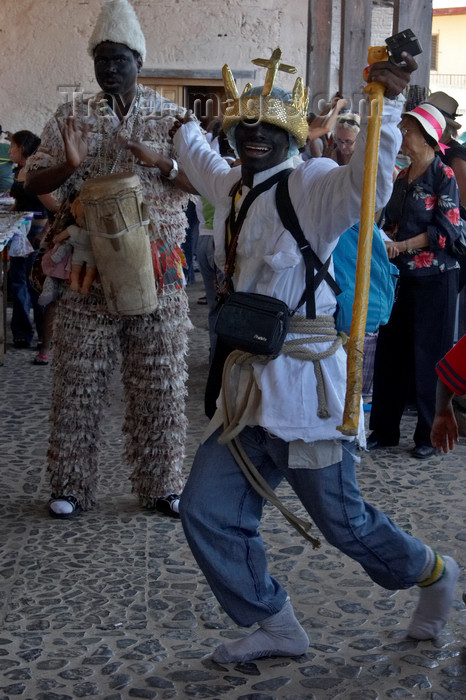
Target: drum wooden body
117 221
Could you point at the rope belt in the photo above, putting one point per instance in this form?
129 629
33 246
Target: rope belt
323 330
235 417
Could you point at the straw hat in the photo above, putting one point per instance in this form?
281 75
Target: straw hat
430 118
117 22
447 105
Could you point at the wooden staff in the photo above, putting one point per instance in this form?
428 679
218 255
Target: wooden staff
363 264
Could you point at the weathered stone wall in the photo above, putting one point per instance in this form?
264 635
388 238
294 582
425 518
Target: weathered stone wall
382 24
43 45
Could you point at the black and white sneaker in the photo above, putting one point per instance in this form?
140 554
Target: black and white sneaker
168 505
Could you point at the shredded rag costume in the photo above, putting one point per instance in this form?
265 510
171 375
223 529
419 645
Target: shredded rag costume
283 435
88 339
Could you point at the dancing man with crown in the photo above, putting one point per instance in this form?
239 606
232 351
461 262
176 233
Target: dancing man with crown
277 417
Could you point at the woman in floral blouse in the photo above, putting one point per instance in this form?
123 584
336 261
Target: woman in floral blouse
423 220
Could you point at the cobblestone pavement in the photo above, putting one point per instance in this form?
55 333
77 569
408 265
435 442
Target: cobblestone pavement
112 604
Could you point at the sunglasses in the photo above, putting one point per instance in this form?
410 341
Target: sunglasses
351 122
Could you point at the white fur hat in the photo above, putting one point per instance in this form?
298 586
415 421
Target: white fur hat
117 22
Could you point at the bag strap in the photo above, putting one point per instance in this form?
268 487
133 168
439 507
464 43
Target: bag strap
234 223
290 221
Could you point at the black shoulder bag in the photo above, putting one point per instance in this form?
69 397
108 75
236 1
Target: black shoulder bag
258 323
246 321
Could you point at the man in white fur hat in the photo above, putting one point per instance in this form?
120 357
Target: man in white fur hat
116 132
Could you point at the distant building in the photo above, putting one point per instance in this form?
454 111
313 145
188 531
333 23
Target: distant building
448 57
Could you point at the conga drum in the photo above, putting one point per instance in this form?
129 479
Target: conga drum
117 221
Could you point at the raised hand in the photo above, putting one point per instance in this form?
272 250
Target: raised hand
395 76
180 120
75 141
145 154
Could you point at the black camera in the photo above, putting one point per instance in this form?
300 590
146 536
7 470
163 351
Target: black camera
403 41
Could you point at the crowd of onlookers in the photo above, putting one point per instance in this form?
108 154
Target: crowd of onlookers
406 356
428 198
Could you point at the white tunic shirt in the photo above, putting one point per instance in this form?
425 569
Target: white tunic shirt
327 200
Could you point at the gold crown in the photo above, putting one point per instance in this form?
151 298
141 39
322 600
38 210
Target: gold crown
290 116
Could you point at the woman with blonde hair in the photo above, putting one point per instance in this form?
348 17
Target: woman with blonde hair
343 139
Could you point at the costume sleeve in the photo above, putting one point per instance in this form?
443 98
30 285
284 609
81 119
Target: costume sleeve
446 225
206 170
51 150
331 195
167 203
157 135
452 368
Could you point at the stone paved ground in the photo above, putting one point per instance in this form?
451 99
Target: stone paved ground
111 605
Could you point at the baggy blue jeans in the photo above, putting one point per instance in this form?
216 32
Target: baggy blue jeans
25 297
221 514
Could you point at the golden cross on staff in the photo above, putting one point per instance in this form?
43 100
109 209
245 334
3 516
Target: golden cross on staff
273 65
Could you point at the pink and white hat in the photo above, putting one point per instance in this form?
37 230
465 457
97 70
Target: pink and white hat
430 118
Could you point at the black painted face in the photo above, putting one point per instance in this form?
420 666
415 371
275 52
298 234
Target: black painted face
116 68
260 145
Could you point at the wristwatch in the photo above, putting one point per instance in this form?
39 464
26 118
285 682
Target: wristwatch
174 171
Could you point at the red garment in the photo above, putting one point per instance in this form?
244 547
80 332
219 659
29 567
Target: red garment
452 368
168 262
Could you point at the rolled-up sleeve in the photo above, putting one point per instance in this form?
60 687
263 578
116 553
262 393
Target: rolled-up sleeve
452 368
206 169
332 195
